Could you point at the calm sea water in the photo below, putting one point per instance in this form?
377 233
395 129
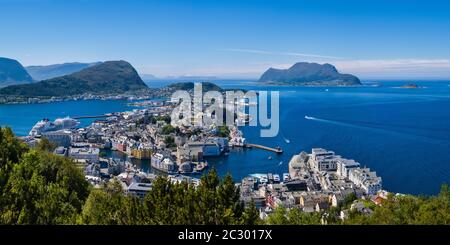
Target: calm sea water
402 134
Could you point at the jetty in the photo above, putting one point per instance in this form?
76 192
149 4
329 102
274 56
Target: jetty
277 150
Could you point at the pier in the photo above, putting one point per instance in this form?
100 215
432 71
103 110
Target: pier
277 150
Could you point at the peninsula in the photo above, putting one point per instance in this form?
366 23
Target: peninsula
106 80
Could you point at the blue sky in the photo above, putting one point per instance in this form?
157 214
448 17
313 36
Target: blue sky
372 39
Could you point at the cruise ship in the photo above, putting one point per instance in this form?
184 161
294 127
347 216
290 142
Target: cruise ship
45 125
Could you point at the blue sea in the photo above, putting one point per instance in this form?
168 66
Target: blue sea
402 134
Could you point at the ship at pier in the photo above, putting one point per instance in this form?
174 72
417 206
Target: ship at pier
45 125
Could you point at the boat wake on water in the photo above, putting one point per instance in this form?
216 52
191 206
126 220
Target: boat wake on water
285 139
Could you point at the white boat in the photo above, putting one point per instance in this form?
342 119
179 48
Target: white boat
285 177
309 118
258 176
46 125
263 180
270 158
261 177
276 178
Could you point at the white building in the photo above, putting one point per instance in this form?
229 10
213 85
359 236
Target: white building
345 165
157 159
324 160
87 154
367 180
139 189
60 137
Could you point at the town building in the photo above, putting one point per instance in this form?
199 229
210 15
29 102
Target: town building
88 154
345 165
323 160
139 189
366 179
60 138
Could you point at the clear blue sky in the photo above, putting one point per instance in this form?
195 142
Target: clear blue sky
389 39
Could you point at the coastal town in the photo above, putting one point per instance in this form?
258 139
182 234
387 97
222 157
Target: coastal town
315 181
129 95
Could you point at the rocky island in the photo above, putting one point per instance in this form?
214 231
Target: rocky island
309 74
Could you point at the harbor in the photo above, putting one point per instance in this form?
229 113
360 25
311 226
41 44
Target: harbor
365 139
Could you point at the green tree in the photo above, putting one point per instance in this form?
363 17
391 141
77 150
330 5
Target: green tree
250 216
11 151
168 129
229 205
223 131
296 217
109 206
46 145
278 217
169 141
43 189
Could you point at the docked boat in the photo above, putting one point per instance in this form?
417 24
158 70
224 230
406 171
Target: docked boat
45 125
286 177
276 178
200 166
270 177
263 180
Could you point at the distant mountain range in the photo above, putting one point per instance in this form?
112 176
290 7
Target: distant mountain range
12 72
148 77
304 73
50 71
105 78
112 77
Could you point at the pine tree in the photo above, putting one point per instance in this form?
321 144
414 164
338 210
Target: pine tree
250 216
